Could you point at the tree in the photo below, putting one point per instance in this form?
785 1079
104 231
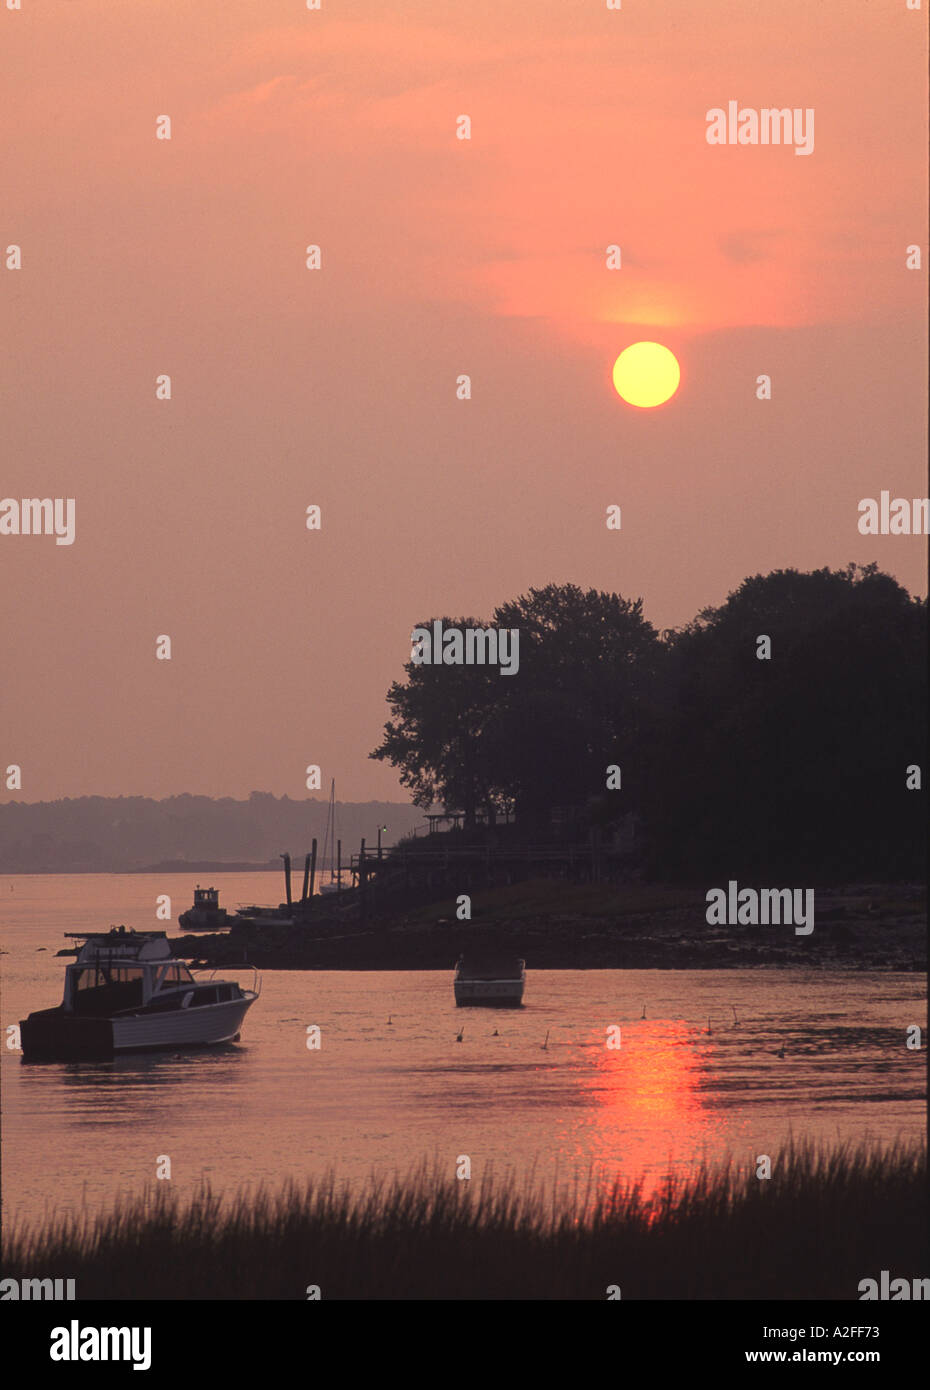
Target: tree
794 764
435 734
543 736
588 665
737 767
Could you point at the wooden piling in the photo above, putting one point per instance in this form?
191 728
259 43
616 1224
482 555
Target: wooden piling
362 883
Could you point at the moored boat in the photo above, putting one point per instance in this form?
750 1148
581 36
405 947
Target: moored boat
125 992
489 979
206 914
282 916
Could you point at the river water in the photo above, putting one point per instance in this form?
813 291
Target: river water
535 1089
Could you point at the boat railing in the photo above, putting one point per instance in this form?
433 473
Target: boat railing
256 977
111 934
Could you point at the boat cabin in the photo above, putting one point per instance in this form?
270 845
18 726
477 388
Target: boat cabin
487 965
122 969
208 899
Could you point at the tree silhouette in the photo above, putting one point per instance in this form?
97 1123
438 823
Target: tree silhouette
736 766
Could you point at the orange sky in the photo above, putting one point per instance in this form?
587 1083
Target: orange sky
440 257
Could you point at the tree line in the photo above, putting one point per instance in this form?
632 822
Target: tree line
809 760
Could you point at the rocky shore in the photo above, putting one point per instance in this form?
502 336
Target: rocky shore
858 928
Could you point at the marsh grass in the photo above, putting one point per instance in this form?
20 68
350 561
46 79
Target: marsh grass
827 1218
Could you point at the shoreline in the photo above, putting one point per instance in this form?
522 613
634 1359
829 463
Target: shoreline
656 928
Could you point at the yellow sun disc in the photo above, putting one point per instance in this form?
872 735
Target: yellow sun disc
646 374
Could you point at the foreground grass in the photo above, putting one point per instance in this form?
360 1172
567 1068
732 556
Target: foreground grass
825 1220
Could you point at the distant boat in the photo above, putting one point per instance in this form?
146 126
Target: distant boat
329 843
265 916
489 979
127 993
206 914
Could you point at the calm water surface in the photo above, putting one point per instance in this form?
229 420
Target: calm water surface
377 1097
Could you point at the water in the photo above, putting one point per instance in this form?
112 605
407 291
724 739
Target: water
377 1097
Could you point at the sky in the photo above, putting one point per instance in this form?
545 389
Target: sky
439 257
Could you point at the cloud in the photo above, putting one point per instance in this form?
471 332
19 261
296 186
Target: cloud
747 246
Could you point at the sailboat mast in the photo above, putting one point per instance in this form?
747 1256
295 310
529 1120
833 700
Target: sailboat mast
332 836
327 833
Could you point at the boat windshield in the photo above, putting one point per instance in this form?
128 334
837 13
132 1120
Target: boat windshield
107 986
97 976
175 975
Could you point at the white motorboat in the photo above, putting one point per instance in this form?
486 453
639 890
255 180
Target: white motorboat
125 992
489 979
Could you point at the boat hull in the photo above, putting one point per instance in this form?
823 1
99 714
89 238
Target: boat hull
202 921
257 918
55 1035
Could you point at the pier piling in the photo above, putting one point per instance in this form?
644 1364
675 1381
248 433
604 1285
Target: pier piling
287 876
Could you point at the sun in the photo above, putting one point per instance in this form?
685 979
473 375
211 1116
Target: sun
646 374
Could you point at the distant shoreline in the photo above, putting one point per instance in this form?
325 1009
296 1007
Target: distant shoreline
207 866
167 866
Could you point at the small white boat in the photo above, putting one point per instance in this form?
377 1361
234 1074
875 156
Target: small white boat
486 979
127 993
